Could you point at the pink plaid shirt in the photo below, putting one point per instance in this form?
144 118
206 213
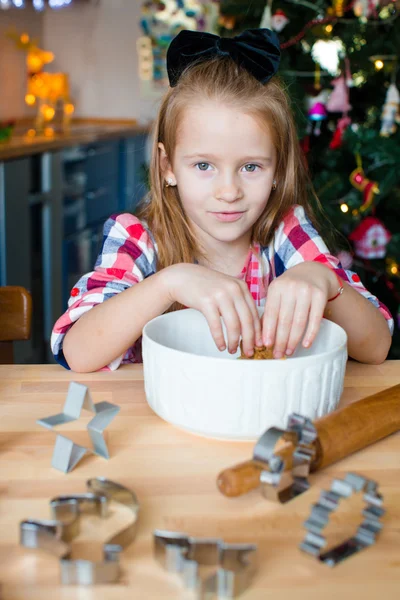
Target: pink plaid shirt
129 255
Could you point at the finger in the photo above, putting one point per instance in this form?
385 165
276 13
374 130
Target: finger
213 317
285 323
270 318
300 318
315 318
256 318
231 319
247 327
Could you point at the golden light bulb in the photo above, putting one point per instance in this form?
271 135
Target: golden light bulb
69 108
48 57
24 38
31 133
48 112
328 28
30 99
34 62
49 132
379 64
344 208
394 269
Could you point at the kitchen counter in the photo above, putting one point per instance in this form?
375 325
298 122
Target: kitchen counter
174 476
85 131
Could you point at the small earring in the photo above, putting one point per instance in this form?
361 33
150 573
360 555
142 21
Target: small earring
169 183
274 185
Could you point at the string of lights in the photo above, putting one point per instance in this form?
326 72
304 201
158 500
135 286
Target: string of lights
37 4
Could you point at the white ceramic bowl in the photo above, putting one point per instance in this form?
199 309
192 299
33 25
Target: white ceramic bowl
193 385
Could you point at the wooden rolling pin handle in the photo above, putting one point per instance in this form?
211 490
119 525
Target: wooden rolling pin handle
243 478
340 433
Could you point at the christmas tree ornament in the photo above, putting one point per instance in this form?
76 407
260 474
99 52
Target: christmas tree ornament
370 238
279 20
316 114
392 267
365 8
391 111
337 8
368 187
337 138
339 98
266 19
227 22
328 53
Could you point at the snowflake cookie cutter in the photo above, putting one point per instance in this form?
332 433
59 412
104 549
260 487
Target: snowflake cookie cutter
276 483
55 535
328 502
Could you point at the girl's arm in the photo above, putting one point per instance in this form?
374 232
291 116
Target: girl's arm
368 334
297 301
110 328
306 277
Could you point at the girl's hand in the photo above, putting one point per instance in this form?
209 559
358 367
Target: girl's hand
297 296
217 295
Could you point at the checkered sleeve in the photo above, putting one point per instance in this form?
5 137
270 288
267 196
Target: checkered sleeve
127 257
296 240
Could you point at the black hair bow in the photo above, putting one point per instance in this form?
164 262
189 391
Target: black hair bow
257 50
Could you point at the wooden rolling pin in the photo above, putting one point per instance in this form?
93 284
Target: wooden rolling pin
340 433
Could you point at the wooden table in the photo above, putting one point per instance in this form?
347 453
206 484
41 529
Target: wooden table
173 474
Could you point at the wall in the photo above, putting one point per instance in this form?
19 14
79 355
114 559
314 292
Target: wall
96 44
12 61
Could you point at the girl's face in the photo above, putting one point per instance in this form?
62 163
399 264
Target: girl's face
224 165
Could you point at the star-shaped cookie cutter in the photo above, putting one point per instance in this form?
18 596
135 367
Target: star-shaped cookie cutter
54 536
233 565
66 453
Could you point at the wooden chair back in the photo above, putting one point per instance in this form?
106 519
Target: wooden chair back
15 319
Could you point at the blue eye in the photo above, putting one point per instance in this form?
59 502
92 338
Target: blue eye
250 168
203 166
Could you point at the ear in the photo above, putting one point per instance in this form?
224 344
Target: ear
165 165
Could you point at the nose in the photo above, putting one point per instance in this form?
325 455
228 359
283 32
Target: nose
228 189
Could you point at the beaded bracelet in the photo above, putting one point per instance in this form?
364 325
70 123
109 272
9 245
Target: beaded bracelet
340 290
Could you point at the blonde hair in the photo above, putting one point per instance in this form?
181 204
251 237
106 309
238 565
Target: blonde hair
222 80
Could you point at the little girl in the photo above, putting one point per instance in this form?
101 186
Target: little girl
226 227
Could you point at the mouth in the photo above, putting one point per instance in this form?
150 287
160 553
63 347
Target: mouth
228 215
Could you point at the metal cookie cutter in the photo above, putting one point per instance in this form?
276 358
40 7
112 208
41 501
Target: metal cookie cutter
66 453
328 502
55 536
276 483
234 564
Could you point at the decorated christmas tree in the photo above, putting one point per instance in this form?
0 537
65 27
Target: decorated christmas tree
340 64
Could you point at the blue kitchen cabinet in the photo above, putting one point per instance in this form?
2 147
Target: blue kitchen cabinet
99 180
53 206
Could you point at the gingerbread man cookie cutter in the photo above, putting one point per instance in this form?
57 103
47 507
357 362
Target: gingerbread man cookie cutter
55 535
